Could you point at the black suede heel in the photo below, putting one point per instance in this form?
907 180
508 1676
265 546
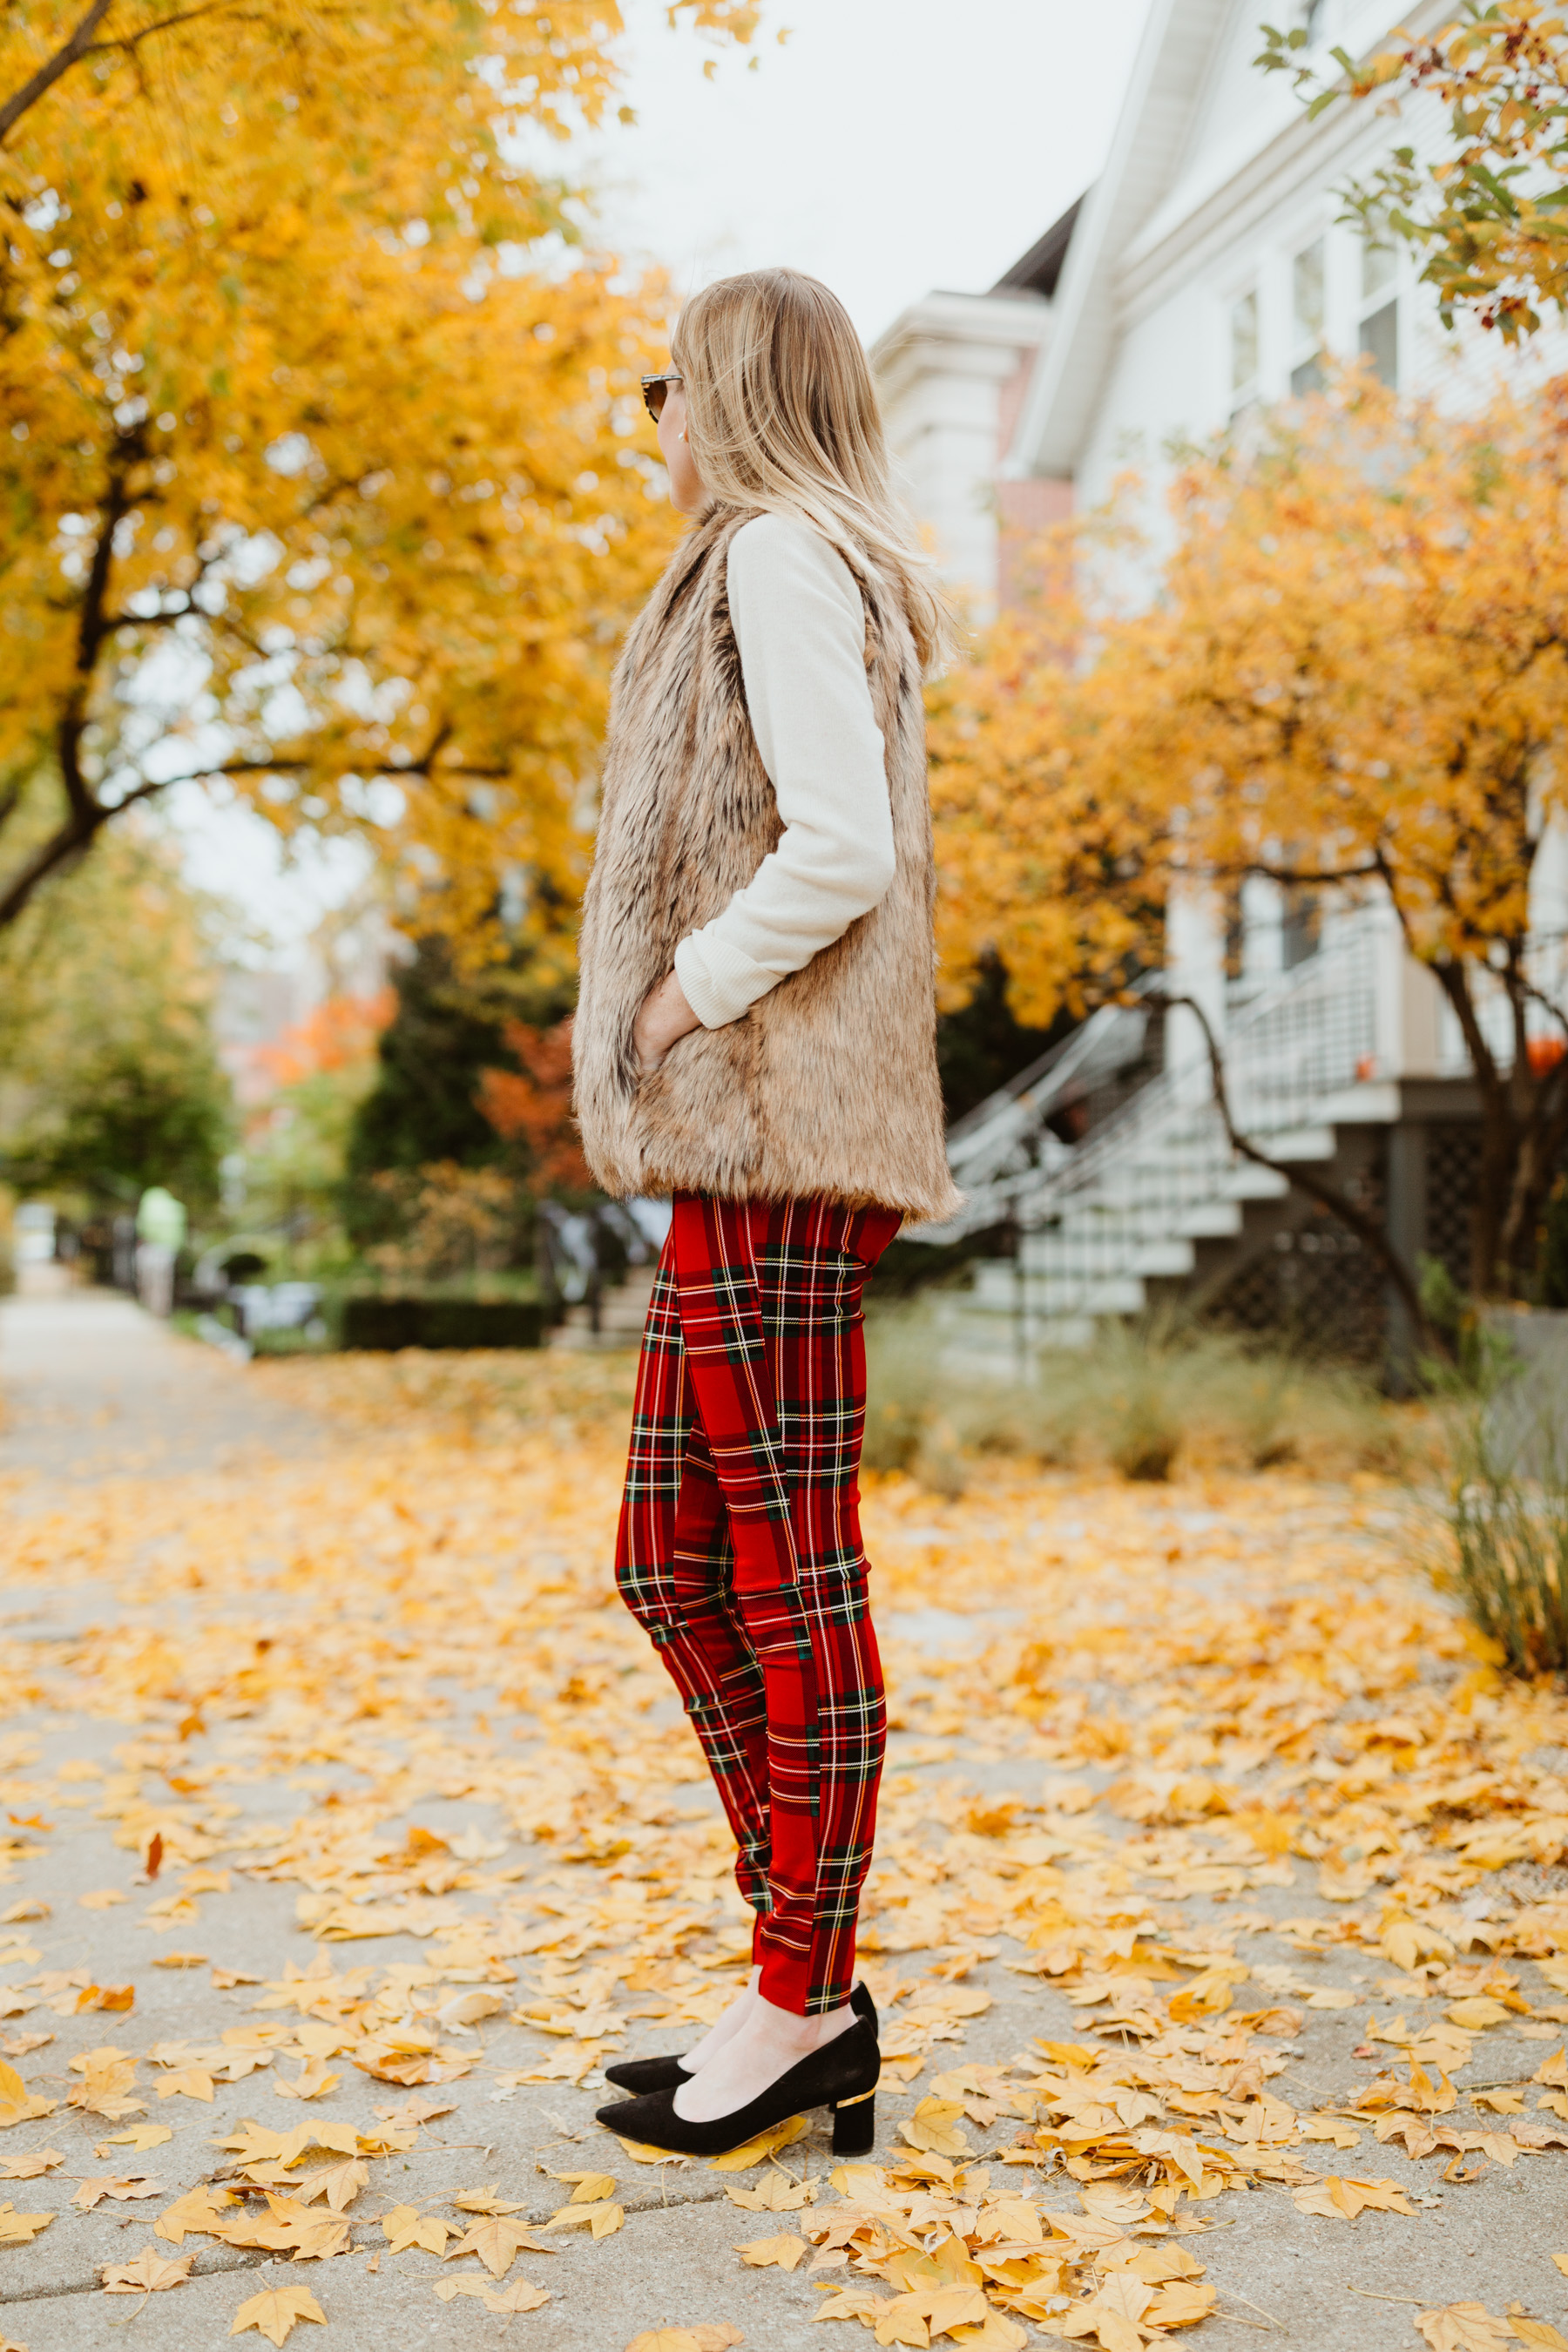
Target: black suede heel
843 2075
638 2075
855 2124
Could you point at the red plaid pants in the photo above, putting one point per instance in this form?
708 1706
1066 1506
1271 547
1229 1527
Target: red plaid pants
740 1550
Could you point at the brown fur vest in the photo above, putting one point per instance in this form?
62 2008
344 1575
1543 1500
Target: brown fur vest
828 1084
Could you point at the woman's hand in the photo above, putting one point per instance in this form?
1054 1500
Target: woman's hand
665 1016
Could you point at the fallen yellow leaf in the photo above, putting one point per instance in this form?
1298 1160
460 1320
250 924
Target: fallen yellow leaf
21 2228
934 2127
601 2217
276 2311
713 2335
590 2188
1538 2331
150 2273
764 2253
406 2226
497 2241
758 2150
520 2296
140 2138
774 2193
1477 2013
1464 2327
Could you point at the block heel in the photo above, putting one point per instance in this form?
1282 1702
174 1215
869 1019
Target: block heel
855 2124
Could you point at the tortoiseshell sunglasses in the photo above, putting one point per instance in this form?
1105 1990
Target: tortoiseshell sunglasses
655 390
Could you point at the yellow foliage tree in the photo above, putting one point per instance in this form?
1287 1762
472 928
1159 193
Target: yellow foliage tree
1490 214
321 460
1355 681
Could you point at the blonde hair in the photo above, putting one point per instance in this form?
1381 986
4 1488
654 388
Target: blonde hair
782 414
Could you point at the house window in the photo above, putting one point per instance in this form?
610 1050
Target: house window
1380 311
1307 319
1243 354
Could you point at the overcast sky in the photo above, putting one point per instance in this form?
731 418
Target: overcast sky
889 146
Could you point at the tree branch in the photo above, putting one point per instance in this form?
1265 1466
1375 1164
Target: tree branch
131 42
69 53
65 845
1339 1204
1310 878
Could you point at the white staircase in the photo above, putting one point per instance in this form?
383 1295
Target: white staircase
1099 1220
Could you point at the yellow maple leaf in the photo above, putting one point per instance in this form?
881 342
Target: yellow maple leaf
782 2252
21 2228
276 2311
774 2193
496 2240
186 2082
1477 2012
339 2184
312 2082
139 2138
1464 2327
601 2217
1538 2331
712 2336
150 2274
587 2187
758 2150
934 2127
406 2226
93 2192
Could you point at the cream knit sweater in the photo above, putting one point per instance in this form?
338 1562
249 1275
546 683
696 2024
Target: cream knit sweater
801 631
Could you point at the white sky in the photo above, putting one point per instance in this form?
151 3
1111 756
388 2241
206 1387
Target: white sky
888 147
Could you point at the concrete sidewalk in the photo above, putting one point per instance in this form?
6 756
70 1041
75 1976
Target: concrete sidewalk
95 1393
93 1386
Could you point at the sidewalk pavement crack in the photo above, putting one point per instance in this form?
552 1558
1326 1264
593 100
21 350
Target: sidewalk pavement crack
215 2261
203 2267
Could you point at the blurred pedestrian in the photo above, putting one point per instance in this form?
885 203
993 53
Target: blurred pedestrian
160 1235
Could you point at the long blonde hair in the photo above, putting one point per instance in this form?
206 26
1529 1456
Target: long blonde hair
782 414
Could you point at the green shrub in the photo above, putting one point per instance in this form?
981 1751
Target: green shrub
1552 1265
1510 1555
386 1324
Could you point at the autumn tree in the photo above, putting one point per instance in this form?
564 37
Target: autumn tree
531 1106
1355 680
109 1075
321 463
1489 212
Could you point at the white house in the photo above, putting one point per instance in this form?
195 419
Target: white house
1206 270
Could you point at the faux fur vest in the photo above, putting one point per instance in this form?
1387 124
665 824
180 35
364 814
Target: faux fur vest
828 1084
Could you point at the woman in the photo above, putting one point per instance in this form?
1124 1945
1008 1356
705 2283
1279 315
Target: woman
757 1037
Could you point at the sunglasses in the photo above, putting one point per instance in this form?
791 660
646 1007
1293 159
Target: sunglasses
655 392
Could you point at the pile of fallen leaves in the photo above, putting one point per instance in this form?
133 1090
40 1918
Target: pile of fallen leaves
1223 1691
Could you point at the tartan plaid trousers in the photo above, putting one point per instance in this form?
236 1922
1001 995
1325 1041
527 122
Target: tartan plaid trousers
740 1550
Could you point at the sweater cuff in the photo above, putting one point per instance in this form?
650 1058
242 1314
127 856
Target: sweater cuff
717 982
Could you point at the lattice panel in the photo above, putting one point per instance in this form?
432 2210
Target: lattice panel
1316 1288
1453 1168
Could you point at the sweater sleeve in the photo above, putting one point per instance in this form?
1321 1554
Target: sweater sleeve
800 628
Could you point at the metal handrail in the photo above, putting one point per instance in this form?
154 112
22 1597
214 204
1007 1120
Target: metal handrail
1305 1036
